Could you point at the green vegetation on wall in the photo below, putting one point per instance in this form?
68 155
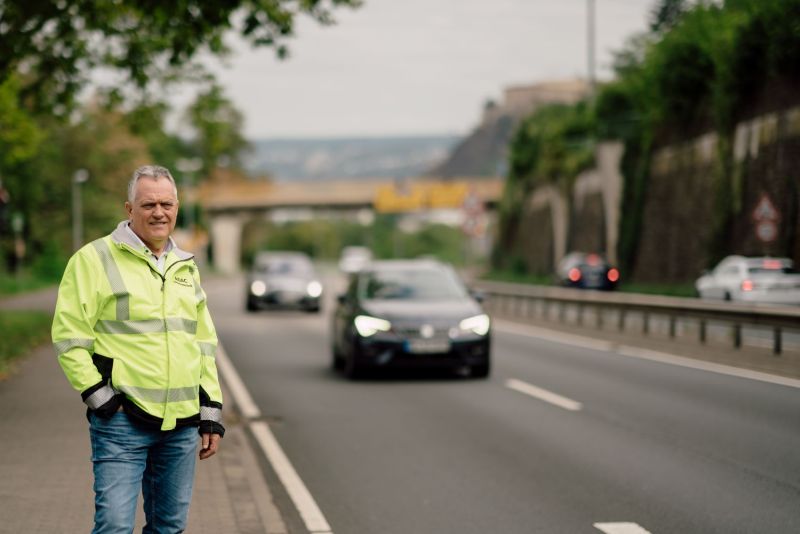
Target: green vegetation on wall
551 147
699 69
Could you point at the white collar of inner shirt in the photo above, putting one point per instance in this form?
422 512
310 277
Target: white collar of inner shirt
169 246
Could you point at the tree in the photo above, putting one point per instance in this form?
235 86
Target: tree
666 14
218 128
147 120
55 44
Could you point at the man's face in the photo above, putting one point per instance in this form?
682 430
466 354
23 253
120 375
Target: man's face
154 210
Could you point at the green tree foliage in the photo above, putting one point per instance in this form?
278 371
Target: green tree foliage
552 146
666 14
47 51
19 135
40 186
218 126
146 120
324 240
56 43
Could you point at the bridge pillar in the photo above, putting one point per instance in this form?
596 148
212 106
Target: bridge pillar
226 242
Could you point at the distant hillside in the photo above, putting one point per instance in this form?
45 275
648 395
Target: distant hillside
484 151
315 159
481 153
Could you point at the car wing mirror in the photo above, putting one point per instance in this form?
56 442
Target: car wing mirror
480 296
341 298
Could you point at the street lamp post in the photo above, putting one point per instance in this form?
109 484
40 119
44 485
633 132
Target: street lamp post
590 38
80 176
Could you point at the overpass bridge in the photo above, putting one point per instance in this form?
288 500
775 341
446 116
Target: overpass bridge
230 204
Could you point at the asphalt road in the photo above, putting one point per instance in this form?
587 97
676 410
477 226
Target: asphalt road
632 444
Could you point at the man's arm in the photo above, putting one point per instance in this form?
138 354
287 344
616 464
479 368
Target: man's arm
211 428
73 333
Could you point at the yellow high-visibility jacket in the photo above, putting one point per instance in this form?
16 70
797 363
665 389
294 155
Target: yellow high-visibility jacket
125 332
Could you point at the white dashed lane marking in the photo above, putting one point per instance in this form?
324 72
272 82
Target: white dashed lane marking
544 395
621 528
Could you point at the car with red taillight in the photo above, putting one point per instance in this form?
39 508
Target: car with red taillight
760 279
587 271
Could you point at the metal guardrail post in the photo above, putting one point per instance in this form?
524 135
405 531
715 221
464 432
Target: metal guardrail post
645 323
737 335
703 331
580 314
777 345
599 311
621 320
672 321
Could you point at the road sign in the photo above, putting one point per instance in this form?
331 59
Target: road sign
766 216
766 231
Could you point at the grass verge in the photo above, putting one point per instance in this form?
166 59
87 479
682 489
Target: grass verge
22 282
20 332
672 290
519 278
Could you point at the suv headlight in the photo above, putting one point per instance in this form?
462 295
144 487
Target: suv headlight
477 324
369 326
314 289
258 288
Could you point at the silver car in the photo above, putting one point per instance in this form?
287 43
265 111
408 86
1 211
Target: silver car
283 280
760 280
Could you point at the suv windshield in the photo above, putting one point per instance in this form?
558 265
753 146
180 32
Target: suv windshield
414 284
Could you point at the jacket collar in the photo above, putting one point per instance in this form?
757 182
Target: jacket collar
121 236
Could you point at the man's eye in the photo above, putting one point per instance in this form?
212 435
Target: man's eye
167 205
148 206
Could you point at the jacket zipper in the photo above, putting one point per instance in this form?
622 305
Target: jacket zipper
164 317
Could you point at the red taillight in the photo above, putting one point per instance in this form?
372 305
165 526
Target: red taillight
613 275
574 274
747 285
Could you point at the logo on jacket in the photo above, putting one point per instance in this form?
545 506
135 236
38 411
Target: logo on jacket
183 281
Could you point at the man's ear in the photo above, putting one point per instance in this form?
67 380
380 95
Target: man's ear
128 208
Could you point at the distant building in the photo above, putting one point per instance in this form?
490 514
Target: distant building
522 100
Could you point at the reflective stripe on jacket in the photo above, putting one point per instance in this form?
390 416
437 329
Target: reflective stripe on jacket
155 329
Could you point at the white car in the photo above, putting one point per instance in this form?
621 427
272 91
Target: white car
763 280
353 259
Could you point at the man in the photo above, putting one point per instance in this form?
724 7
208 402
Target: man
133 334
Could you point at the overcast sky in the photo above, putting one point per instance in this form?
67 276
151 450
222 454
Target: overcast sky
415 67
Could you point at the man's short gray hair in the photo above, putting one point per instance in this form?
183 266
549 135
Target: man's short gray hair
152 171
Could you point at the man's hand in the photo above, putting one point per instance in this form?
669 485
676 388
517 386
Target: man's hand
210 444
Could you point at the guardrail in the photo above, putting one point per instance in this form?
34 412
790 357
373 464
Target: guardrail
537 301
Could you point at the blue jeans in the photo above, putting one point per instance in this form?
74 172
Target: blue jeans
126 458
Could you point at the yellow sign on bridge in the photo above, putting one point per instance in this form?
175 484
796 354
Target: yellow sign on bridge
415 196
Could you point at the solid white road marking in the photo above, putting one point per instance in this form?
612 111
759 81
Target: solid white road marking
543 395
621 528
642 354
241 396
309 511
663 357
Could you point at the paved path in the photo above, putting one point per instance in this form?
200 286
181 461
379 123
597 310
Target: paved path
46 469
